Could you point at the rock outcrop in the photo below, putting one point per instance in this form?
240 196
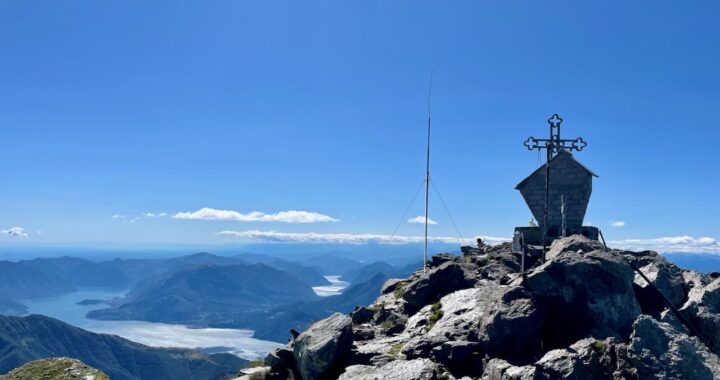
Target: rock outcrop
55 369
584 294
319 350
582 313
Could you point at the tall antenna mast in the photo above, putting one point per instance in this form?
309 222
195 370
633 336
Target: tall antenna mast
427 178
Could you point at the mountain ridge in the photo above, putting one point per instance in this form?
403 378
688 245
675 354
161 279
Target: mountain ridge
584 312
35 337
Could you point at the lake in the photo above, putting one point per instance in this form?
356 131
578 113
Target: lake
335 288
65 308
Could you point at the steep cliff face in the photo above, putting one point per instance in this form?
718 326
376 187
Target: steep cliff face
584 313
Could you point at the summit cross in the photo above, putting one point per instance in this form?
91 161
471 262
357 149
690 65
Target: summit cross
555 143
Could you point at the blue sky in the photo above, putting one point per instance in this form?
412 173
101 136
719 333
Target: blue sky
127 108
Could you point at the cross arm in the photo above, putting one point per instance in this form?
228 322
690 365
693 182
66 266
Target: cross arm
577 144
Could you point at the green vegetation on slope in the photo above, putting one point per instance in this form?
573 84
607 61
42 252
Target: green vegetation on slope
55 369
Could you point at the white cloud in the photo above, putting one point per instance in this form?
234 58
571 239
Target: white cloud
617 223
420 220
686 244
118 216
347 238
154 214
291 216
15 231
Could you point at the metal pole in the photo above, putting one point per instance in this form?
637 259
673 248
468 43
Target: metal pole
563 228
547 198
427 191
522 260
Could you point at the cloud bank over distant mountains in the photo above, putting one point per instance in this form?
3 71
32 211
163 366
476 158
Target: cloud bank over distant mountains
683 244
292 216
347 238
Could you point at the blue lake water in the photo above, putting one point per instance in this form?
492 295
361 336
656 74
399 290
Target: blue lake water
335 288
66 309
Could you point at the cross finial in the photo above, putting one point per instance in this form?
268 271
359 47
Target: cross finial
555 121
555 143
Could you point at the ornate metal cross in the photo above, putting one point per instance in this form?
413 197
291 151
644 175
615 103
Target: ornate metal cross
554 144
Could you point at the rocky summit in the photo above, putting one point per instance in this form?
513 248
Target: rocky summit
55 369
582 313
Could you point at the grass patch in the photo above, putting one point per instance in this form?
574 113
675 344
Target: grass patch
598 346
387 325
396 348
256 363
436 313
399 291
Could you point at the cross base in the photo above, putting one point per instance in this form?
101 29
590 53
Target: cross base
531 237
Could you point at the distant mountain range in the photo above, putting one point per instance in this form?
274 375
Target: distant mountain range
209 295
701 262
47 277
268 294
18 281
24 339
258 297
275 324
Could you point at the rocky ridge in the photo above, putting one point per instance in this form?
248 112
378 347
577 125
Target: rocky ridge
55 369
583 313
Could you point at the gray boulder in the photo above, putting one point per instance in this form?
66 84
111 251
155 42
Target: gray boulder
321 350
584 294
457 315
667 279
362 315
702 309
391 284
498 369
364 334
281 364
511 325
657 351
434 284
442 258
418 369
498 272
391 322
461 357
574 243
581 361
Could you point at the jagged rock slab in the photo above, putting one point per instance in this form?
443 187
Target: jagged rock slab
585 294
434 284
498 369
658 351
582 360
418 369
321 349
702 309
575 243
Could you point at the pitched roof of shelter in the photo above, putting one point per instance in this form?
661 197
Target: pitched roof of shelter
561 154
